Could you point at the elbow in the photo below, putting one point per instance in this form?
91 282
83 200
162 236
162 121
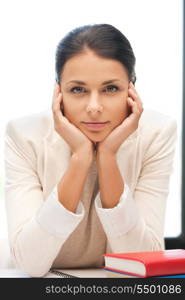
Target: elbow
28 265
158 245
154 243
35 272
150 241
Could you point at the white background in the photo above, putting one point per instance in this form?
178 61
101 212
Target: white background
30 32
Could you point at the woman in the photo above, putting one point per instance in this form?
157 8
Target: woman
92 176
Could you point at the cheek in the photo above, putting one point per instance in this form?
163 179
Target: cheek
70 115
120 112
70 109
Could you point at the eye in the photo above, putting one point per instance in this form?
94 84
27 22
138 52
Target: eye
77 90
112 88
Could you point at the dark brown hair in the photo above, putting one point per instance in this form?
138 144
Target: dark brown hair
104 39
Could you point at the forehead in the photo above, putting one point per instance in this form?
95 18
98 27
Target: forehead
88 66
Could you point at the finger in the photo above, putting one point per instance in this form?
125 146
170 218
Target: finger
56 90
133 89
140 105
133 93
57 102
136 98
132 86
134 105
56 93
56 107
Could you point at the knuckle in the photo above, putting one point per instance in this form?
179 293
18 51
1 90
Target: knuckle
56 126
134 127
55 110
141 109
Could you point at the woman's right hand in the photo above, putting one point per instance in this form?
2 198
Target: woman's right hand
78 142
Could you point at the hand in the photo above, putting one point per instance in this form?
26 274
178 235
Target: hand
77 141
114 140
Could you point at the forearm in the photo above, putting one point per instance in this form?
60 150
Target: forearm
72 183
139 238
49 226
125 227
110 180
29 249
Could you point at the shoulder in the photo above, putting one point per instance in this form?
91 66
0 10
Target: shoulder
33 126
157 133
153 123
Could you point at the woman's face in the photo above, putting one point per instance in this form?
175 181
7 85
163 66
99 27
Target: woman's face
94 89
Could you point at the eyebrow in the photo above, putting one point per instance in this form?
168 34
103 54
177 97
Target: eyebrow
83 83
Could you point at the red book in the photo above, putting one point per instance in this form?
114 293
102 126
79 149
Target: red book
147 264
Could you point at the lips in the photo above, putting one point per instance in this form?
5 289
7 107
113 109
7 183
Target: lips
95 122
95 125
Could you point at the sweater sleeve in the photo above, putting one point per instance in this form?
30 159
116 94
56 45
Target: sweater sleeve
136 223
37 228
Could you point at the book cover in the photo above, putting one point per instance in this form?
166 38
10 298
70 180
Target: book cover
147 264
117 274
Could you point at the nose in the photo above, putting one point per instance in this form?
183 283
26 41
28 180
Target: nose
94 104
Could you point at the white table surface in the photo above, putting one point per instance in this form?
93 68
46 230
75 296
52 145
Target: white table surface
83 273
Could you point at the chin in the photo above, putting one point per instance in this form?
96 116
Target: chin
98 137
96 140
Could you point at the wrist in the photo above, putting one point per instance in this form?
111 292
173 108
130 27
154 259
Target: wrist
104 158
84 156
104 152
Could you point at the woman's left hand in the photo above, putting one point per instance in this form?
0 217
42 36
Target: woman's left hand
114 140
